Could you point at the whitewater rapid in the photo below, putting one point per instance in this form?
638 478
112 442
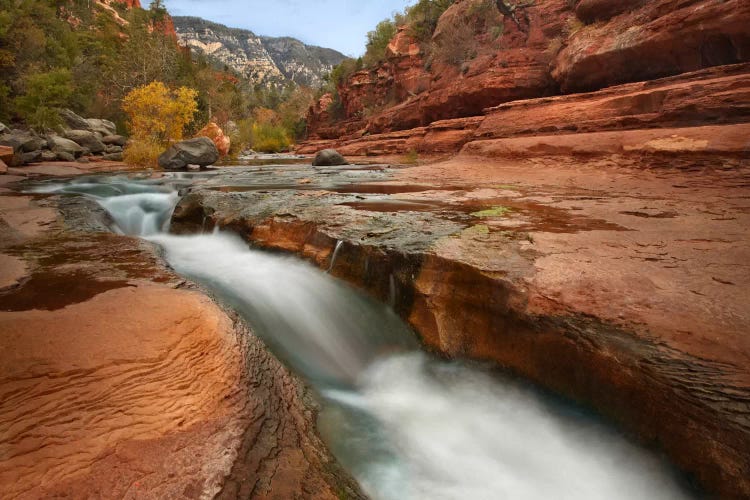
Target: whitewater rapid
406 425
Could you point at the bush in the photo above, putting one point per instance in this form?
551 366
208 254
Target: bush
44 94
377 42
270 138
158 115
142 153
423 17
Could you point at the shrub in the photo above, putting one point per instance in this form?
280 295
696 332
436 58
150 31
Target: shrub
44 94
142 153
377 42
423 17
269 138
158 115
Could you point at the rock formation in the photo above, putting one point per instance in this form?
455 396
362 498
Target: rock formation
560 48
216 134
263 60
199 151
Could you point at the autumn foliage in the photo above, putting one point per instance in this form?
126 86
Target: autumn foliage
156 117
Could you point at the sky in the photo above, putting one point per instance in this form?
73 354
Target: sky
337 24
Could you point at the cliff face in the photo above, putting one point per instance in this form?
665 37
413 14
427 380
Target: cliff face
264 60
552 47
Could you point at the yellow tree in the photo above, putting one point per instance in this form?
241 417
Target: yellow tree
157 114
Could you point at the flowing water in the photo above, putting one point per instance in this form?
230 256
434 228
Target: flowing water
406 425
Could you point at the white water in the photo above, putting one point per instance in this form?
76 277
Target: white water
406 425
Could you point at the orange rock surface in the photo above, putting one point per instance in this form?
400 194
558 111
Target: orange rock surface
214 132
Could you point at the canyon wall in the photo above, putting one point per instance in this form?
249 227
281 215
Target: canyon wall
552 48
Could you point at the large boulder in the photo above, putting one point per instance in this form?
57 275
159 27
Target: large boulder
220 139
114 140
61 145
6 154
22 141
64 156
73 121
104 127
86 139
198 151
32 157
329 157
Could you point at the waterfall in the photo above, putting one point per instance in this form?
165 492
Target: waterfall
406 425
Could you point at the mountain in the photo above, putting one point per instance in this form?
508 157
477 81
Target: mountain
264 60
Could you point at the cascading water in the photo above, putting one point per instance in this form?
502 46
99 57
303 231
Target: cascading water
407 426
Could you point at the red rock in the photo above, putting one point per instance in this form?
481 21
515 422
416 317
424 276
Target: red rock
661 38
214 132
6 154
3 167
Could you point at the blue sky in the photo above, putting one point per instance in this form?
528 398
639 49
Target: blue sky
338 24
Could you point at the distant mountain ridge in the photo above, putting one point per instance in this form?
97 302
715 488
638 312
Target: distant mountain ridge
267 61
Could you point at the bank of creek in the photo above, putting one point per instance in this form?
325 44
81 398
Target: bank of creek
438 337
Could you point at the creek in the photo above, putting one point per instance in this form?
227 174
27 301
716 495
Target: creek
405 424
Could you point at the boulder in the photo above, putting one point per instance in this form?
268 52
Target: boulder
31 157
73 121
59 145
113 149
65 156
86 139
6 154
48 155
198 151
112 157
221 140
22 141
104 127
82 159
329 157
114 140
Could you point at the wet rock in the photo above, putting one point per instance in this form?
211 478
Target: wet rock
329 157
86 139
59 145
103 127
199 151
114 140
221 140
112 157
73 121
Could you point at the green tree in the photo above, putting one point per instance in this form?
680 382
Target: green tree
44 94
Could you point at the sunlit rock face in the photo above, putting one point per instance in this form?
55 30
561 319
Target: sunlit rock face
264 60
552 47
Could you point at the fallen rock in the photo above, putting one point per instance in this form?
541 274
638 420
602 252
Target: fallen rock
31 157
6 154
64 156
73 121
104 127
198 151
112 157
329 157
221 140
86 139
113 149
22 141
48 155
83 159
114 140
61 145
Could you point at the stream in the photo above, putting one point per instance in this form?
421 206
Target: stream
405 424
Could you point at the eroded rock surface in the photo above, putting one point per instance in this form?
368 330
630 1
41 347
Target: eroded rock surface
613 278
119 379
